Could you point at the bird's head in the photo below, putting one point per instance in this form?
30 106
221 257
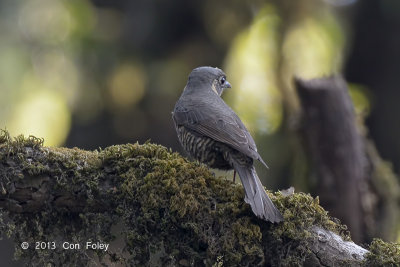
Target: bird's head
208 78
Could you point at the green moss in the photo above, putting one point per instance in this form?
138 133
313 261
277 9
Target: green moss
4 137
301 211
166 209
383 254
287 243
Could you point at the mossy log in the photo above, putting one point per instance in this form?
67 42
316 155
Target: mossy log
156 208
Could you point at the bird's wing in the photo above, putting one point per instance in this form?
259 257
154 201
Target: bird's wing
220 125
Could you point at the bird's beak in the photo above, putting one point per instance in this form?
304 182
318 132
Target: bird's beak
227 85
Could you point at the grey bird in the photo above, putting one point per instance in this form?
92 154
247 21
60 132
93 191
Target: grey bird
211 132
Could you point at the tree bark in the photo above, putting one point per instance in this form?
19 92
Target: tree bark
352 180
336 147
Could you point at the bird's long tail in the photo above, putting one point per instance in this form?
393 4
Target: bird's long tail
256 196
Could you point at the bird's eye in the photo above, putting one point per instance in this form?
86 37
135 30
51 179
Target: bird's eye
222 80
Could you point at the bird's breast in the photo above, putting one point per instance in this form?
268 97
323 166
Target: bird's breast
204 149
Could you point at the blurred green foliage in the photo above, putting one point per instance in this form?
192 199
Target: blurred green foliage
252 67
70 64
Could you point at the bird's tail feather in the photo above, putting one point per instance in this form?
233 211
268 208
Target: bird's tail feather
256 196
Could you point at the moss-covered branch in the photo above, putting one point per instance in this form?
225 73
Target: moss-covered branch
155 208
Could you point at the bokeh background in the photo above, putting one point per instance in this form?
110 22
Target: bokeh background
96 73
